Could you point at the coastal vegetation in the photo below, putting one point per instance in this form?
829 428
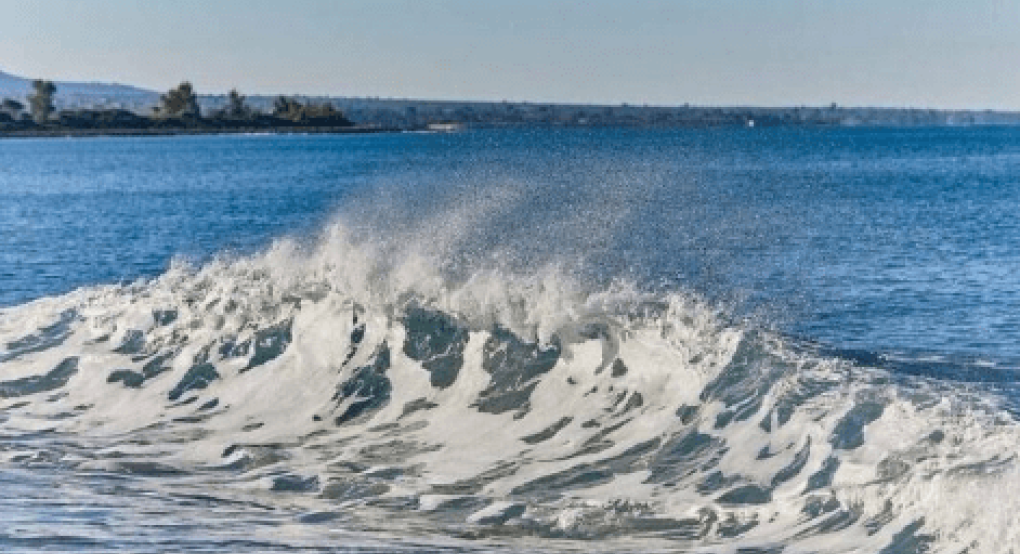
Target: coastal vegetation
41 100
44 108
291 109
236 108
178 110
179 102
10 109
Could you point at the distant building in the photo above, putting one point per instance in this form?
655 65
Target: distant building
448 127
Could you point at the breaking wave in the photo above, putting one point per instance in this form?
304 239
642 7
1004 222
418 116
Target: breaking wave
499 406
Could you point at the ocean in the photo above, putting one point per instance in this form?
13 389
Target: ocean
512 340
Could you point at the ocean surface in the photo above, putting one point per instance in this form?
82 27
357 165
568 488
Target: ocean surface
512 340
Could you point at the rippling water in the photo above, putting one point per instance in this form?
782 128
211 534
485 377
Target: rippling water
506 340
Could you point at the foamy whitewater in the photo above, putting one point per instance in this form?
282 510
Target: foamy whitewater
512 340
326 398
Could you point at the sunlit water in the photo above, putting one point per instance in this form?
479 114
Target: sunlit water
507 340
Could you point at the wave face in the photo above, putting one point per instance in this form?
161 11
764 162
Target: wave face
308 390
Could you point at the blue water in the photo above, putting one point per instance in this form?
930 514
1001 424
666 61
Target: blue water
898 241
507 340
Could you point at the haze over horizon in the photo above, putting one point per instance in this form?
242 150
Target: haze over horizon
729 52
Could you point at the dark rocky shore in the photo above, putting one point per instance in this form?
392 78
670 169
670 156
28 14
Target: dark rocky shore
126 123
59 131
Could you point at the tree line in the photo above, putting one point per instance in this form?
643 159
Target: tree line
40 103
178 108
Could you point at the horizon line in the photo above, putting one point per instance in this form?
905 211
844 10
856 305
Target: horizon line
599 104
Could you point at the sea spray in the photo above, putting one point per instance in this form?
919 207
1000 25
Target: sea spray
498 405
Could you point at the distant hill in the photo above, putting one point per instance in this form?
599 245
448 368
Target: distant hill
72 94
419 114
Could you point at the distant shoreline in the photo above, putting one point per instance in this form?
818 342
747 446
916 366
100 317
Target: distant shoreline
68 132
71 132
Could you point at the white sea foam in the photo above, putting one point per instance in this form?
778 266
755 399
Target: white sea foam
347 377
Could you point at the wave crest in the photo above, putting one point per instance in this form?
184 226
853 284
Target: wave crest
495 404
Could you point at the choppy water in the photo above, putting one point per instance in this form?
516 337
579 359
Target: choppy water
512 340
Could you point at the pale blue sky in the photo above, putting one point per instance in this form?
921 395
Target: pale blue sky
932 53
